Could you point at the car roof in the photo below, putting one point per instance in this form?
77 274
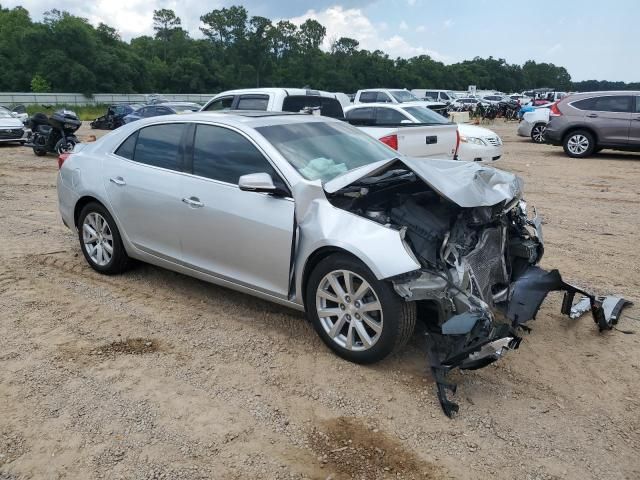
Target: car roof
252 119
274 90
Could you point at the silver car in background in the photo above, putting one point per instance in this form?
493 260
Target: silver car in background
312 213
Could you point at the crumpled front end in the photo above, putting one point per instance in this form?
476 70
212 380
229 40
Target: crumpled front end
479 281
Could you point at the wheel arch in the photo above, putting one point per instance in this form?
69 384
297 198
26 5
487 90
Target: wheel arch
575 128
84 201
314 260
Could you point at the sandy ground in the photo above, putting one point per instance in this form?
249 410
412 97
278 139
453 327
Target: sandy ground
155 375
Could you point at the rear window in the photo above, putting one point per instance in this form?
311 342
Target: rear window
361 116
426 115
389 116
329 107
253 102
369 97
404 96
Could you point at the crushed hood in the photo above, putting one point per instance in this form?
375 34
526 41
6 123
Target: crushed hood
466 184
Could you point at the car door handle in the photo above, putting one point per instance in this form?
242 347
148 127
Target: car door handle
193 202
592 115
118 181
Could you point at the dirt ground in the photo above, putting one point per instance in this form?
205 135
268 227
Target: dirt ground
155 375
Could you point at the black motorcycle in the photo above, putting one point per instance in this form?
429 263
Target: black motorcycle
54 134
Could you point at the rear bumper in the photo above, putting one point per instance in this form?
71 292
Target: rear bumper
524 129
553 135
67 199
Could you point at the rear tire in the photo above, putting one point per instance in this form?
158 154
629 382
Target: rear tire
579 144
100 240
366 320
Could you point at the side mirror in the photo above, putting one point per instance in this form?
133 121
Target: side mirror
257 182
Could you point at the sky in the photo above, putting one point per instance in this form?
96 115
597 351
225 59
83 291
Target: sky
591 38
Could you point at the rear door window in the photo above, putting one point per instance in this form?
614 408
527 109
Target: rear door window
637 104
609 103
253 102
383 97
223 103
361 116
329 107
160 146
619 104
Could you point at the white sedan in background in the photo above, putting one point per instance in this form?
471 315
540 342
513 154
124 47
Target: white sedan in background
534 124
11 127
478 144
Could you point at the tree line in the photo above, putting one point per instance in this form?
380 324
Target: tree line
65 53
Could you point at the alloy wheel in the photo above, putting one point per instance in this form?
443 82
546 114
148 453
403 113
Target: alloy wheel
578 144
349 310
97 238
538 133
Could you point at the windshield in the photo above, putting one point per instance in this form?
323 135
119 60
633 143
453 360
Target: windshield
426 115
404 96
325 150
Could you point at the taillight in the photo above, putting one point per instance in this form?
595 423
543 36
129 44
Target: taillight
554 111
61 158
455 155
391 140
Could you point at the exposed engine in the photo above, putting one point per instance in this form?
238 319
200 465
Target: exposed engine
475 250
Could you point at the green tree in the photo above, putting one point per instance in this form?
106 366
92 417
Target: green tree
39 84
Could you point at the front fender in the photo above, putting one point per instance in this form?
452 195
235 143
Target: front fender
378 247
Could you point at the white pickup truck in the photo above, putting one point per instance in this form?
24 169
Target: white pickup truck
395 125
276 100
396 96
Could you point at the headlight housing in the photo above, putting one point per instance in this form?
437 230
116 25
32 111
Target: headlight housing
474 140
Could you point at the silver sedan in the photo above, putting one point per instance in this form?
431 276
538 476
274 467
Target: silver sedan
312 213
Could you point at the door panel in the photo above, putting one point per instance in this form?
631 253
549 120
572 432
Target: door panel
143 180
241 236
610 117
147 205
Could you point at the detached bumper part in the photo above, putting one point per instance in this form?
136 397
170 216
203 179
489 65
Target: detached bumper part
531 288
468 341
472 340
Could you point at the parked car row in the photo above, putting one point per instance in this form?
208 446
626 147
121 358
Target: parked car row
120 114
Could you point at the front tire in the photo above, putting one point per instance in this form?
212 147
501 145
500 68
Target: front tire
65 146
537 132
362 319
579 144
100 240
